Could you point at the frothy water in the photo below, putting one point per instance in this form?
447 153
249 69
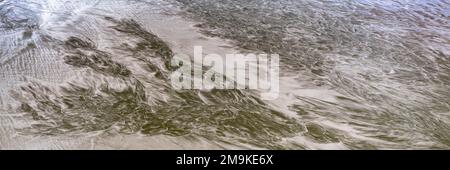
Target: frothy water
95 74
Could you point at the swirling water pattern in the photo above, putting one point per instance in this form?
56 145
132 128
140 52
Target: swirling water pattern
95 74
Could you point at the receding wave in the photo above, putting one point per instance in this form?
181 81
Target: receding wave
354 75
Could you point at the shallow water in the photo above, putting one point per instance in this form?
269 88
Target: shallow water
95 74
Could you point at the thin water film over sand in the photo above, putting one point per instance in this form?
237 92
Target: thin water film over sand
96 74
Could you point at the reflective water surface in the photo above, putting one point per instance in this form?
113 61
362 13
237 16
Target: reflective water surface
362 74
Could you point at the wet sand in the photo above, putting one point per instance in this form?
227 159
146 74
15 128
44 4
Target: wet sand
94 75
